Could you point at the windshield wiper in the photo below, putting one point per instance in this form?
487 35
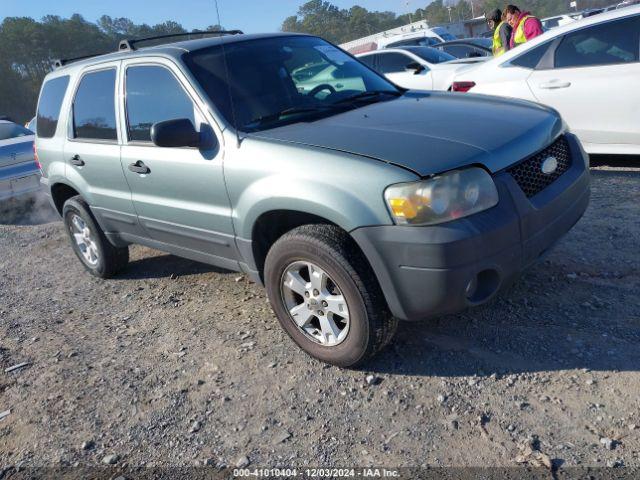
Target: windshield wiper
369 95
273 117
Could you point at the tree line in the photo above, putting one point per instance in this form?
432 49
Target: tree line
321 17
28 47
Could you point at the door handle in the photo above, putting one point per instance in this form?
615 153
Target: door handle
554 84
139 167
77 161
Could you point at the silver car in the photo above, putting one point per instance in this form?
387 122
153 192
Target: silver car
355 202
19 171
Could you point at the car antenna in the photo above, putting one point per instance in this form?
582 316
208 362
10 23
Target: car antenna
226 70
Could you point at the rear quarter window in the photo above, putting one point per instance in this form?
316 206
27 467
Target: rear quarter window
531 58
53 92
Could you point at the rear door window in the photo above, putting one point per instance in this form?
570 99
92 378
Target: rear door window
154 95
392 62
94 113
603 44
368 60
49 106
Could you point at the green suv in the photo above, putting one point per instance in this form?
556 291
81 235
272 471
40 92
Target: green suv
355 202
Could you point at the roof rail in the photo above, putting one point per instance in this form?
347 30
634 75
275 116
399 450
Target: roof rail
130 44
61 62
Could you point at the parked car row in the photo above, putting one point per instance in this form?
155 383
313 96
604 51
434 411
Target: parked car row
588 70
416 68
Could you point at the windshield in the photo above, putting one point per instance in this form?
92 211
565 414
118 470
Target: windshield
431 55
12 130
286 79
446 36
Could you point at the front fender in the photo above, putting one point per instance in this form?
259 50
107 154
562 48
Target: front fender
323 200
343 188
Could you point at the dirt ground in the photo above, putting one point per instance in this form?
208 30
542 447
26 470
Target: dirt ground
175 363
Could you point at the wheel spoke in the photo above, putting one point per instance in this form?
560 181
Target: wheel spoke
93 249
330 330
78 223
79 238
337 305
296 283
318 277
301 314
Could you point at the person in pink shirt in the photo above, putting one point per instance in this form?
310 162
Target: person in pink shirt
525 26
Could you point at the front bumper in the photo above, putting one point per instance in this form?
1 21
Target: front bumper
17 180
435 270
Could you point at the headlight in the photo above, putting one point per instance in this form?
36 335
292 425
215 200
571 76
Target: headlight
452 195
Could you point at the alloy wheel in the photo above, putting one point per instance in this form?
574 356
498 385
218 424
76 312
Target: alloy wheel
84 240
315 303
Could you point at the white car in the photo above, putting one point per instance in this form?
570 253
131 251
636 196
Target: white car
417 68
588 70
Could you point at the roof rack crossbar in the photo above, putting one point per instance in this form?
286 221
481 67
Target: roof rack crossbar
130 44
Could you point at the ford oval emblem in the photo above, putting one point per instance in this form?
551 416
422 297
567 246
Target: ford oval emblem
549 165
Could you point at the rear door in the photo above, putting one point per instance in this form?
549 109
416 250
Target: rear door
593 82
181 200
92 149
393 65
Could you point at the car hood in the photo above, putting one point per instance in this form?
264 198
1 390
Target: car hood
429 133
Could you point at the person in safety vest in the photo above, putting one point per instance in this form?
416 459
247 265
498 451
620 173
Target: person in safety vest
501 32
525 26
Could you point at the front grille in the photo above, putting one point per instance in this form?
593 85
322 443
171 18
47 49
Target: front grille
529 175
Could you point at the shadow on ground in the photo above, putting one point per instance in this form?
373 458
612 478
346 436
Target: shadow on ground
165 265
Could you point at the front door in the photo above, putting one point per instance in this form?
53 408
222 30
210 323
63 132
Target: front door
179 193
593 82
393 66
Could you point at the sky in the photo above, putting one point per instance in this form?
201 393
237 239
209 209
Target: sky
250 16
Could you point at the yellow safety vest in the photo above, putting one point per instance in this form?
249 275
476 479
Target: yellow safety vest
519 36
498 48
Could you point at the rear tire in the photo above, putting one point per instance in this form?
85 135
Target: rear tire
362 327
99 256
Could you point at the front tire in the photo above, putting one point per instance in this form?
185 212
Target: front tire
326 295
99 256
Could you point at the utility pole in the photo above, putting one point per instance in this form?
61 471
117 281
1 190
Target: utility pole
409 11
449 8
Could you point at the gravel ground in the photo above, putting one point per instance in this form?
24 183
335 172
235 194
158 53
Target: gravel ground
175 363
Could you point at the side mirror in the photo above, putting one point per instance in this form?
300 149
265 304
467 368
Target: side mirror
414 67
175 133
